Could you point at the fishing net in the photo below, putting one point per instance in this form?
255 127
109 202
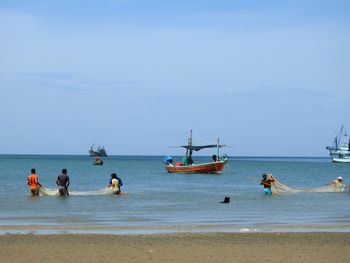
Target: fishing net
53 192
277 187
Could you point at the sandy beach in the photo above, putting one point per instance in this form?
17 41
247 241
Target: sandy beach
180 247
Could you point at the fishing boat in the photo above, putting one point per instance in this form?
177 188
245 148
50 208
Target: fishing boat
98 151
340 150
188 166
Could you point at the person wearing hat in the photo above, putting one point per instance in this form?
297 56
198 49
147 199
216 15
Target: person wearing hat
339 180
338 183
266 182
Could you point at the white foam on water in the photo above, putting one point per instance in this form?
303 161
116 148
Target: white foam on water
53 192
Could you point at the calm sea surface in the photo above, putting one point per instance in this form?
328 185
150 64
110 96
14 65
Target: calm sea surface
158 202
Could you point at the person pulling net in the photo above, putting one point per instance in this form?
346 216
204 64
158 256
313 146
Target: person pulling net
114 187
274 186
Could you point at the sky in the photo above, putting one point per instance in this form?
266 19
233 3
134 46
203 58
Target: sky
269 78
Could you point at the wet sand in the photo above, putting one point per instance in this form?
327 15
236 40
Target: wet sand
180 247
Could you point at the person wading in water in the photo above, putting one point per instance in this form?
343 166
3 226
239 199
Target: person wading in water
63 183
33 182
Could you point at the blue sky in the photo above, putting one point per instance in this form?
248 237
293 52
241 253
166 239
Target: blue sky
271 78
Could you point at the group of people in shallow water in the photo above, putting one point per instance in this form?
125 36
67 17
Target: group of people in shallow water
62 183
116 182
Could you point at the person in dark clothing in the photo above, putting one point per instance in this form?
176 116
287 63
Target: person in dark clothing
226 200
63 183
215 158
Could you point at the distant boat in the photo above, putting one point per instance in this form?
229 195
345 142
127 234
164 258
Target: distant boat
188 166
340 150
99 151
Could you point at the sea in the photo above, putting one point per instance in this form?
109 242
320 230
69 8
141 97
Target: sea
155 201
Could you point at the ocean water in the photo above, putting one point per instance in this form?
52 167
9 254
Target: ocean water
158 202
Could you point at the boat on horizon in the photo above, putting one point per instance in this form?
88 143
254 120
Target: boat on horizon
340 149
98 151
188 166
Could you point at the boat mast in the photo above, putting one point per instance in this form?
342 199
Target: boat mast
188 151
339 138
217 149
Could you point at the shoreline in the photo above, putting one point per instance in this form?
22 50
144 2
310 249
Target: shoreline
166 229
178 247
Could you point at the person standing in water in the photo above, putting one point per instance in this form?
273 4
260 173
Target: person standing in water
266 182
33 182
62 183
339 183
115 183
